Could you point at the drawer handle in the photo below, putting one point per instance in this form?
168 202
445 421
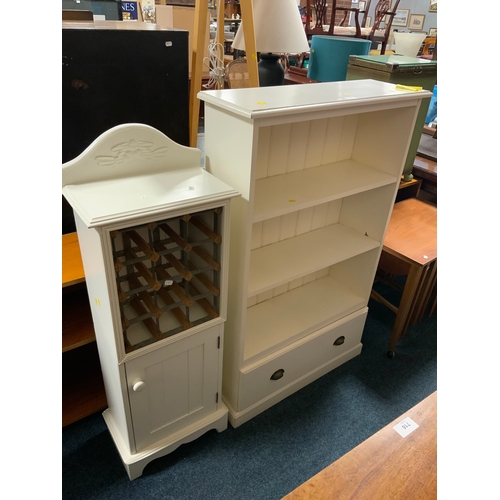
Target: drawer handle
339 341
277 374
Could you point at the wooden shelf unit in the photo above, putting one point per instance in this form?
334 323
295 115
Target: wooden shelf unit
318 167
83 387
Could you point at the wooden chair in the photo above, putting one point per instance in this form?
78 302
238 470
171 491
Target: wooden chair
382 15
236 74
319 9
378 33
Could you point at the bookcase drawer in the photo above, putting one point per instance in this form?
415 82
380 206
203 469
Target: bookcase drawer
272 374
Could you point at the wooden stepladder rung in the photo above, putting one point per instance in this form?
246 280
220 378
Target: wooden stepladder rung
200 22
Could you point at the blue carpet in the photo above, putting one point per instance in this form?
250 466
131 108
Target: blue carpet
269 456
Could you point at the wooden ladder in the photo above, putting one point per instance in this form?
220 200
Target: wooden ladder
200 24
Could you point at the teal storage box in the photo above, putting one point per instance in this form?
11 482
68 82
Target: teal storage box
402 70
329 56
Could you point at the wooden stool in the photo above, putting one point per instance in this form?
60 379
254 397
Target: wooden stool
410 249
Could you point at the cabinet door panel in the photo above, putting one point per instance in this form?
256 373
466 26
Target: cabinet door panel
173 386
295 361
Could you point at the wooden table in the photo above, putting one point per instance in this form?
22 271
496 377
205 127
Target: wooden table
296 76
385 466
410 249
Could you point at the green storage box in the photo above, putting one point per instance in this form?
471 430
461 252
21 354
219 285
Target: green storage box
404 70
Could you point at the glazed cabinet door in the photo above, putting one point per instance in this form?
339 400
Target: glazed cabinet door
174 386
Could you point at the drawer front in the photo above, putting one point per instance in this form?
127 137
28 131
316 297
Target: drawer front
275 372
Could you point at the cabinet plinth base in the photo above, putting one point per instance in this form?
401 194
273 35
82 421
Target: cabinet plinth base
237 418
134 463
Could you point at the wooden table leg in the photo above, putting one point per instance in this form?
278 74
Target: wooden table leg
405 306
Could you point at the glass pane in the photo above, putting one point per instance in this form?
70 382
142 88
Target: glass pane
168 276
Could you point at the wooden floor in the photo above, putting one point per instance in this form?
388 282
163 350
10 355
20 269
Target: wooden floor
385 466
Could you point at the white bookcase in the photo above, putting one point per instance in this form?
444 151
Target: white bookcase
318 167
153 230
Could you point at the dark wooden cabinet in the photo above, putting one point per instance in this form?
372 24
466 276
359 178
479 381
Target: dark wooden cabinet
121 72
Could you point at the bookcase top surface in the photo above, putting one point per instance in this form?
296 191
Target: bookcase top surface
268 101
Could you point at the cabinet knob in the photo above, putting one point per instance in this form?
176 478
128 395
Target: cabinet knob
138 386
339 341
277 374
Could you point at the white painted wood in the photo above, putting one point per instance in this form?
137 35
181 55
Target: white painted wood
318 166
134 170
278 151
180 386
264 102
168 390
110 350
287 317
135 462
287 193
300 358
276 264
237 418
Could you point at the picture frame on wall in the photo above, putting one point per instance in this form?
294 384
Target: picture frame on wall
416 22
401 17
433 6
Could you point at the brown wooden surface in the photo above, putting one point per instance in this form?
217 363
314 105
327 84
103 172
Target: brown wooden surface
72 265
425 168
408 189
385 466
410 248
82 385
297 76
77 324
412 231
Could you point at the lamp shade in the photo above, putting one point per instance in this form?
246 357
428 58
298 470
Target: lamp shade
278 28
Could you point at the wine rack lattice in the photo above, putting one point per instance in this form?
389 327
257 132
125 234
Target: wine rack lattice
167 275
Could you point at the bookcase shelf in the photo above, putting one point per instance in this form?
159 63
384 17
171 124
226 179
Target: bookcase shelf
285 193
318 167
282 262
275 323
83 387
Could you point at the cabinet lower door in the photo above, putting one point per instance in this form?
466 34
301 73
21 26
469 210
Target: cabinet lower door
173 387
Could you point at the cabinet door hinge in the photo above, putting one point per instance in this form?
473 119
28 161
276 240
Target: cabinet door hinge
216 397
218 342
